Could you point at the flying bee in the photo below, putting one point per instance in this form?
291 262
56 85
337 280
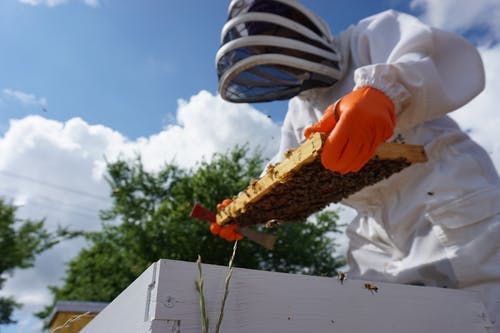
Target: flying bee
371 287
342 277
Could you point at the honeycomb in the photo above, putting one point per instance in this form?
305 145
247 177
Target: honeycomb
300 186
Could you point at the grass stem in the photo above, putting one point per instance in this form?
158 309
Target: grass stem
226 287
199 287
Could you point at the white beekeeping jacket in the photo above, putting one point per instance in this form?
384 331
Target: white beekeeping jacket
435 223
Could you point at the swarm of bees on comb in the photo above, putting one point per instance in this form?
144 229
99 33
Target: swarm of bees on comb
299 186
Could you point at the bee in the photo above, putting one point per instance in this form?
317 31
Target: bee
270 168
272 223
371 287
399 139
342 277
289 153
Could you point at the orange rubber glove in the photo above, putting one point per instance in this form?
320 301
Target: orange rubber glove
355 126
229 232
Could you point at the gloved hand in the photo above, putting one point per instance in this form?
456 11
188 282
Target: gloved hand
355 125
229 232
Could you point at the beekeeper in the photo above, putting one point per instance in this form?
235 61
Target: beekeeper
388 78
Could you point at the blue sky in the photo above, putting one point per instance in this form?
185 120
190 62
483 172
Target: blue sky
122 63
84 80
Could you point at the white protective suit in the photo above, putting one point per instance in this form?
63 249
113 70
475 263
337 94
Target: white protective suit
435 223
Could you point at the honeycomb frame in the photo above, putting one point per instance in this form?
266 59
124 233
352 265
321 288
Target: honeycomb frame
300 186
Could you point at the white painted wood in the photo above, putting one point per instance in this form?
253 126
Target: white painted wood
128 311
164 299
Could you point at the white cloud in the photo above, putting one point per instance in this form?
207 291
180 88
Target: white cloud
54 3
55 170
462 15
50 3
207 124
92 3
24 98
480 116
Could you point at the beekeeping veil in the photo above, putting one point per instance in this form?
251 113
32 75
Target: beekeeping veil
274 49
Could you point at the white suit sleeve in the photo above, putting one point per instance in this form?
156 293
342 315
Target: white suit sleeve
427 72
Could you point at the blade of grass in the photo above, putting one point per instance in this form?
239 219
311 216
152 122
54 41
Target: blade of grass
226 287
199 287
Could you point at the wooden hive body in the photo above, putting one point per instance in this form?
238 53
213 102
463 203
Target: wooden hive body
300 186
164 299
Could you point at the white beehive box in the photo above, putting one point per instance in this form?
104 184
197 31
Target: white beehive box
164 299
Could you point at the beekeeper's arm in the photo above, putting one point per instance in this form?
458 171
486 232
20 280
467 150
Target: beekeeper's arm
425 71
407 73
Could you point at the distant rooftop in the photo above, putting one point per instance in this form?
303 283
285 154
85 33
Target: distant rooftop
76 306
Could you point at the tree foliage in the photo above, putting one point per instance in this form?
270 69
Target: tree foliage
150 219
20 242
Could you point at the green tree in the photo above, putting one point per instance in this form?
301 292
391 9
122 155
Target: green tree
149 220
20 242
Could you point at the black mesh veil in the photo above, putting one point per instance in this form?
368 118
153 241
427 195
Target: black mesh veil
273 50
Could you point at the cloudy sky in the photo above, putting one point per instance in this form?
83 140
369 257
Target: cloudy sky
85 80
